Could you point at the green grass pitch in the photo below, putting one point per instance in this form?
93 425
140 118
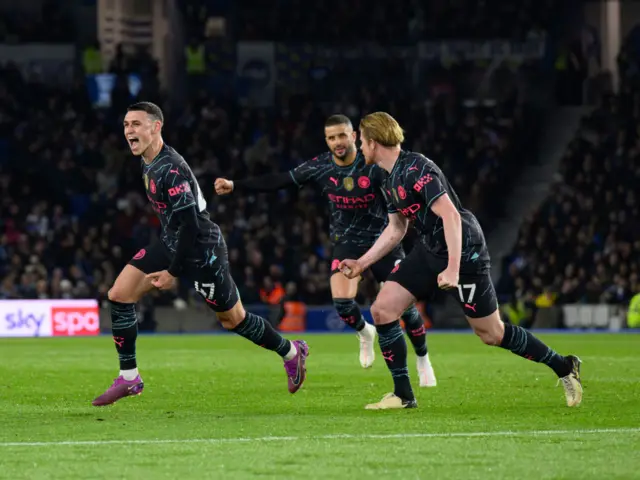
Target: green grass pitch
217 407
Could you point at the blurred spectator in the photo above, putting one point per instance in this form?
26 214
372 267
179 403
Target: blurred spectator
54 24
73 208
582 245
73 218
398 22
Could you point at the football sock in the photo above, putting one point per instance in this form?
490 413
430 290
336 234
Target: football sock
414 327
525 344
350 313
260 332
124 328
292 352
129 374
394 351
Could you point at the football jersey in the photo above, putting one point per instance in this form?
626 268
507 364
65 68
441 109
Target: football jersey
413 185
359 210
171 186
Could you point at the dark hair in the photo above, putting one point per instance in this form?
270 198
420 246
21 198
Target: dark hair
151 108
337 119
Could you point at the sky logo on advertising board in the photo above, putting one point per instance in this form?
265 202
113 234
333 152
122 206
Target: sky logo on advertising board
73 321
23 323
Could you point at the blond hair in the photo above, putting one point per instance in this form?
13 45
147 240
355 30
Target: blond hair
382 128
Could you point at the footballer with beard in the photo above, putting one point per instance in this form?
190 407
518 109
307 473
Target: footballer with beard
359 213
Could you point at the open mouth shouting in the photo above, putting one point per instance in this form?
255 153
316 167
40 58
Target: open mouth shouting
134 143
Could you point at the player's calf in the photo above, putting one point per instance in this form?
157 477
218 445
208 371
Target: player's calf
130 286
124 328
257 330
519 341
414 325
525 344
394 349
350 313
417 333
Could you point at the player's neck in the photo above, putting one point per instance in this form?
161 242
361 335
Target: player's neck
388 157
348 160
152 150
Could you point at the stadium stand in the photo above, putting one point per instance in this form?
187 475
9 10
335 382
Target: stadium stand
581 245
51 24
73 207
399 22
72 227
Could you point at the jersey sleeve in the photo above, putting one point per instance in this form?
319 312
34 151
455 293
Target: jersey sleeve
426 183
391 208
177 184
188 232
306 172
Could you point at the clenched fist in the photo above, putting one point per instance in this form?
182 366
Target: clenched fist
448 279
351 268
223 186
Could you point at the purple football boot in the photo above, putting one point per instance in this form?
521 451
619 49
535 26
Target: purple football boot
297 367
121 388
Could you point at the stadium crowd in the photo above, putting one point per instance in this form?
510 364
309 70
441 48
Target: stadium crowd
73 208
52 24
583 244
399 22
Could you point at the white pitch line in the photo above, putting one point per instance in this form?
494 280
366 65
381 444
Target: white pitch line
338 436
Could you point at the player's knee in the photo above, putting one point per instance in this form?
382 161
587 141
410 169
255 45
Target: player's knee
227 323
232 318
381 314
120 295
489 336
130 286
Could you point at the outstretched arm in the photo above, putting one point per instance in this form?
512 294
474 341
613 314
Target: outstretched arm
263 183
306 172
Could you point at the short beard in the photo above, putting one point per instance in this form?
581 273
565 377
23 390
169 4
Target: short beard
347 152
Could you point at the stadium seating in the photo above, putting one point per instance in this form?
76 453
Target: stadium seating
581 245
73 208
51 23
399 22
83 212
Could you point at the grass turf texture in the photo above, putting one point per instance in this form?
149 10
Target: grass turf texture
209 396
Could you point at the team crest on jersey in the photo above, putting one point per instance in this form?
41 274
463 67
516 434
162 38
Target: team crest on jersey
153 186
146 181
348 183
402 192
364 182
